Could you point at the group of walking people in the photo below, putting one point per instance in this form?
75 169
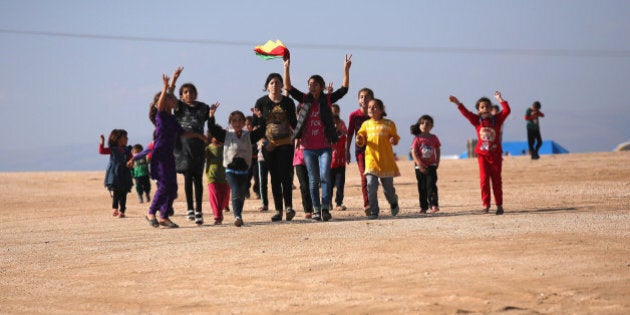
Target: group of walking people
309 140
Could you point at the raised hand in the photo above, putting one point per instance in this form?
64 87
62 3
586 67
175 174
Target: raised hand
498 96
348 62
454 99
177 72
213 109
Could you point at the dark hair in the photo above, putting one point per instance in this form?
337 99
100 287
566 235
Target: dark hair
153 107
336 106
270 77
368 90
318 79
115 136
483 99
137 147
249 119
189 86
536 105
415 128
381 105
234 114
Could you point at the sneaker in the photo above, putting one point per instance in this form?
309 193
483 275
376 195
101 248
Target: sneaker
218 221
277 217
434 209
486 209
326 215
317 216
395 210
344 208
290 214
308 215
227 209
499 210
263 209
191 215
373 217
115 213
423 211
238 222
198 218
121 214
367 211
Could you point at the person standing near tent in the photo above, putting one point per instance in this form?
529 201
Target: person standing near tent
534 139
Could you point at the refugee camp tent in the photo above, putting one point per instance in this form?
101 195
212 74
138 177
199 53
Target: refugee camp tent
517 148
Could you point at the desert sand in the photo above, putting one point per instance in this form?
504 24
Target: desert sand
562 247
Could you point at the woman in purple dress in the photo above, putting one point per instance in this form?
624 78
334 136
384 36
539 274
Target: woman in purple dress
167 129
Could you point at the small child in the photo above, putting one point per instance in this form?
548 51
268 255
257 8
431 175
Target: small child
302 174
118 175
218 187
425 152
237 154
534 139
338 163
140 173
378 135
489 151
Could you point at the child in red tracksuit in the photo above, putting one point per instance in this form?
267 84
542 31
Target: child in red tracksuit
488 149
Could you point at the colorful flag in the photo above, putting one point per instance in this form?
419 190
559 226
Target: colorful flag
271 50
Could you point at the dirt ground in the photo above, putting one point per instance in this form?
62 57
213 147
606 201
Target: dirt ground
562 247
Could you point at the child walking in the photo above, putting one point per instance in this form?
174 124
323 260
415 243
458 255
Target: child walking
316 132
425 151
140 173
118 175
378 135
162 162
355 120
237 154
489 151
338 164
218 187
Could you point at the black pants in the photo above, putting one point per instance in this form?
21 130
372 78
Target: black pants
338 181
427 187
194 179
305 192
119 200
280 164
143 185
534 140
252 174
263 179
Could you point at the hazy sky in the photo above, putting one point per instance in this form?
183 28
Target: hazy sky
72 70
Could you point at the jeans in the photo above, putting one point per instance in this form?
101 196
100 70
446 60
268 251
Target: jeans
238 187
318 166
388 189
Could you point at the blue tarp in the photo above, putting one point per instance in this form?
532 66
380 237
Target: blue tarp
517 148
